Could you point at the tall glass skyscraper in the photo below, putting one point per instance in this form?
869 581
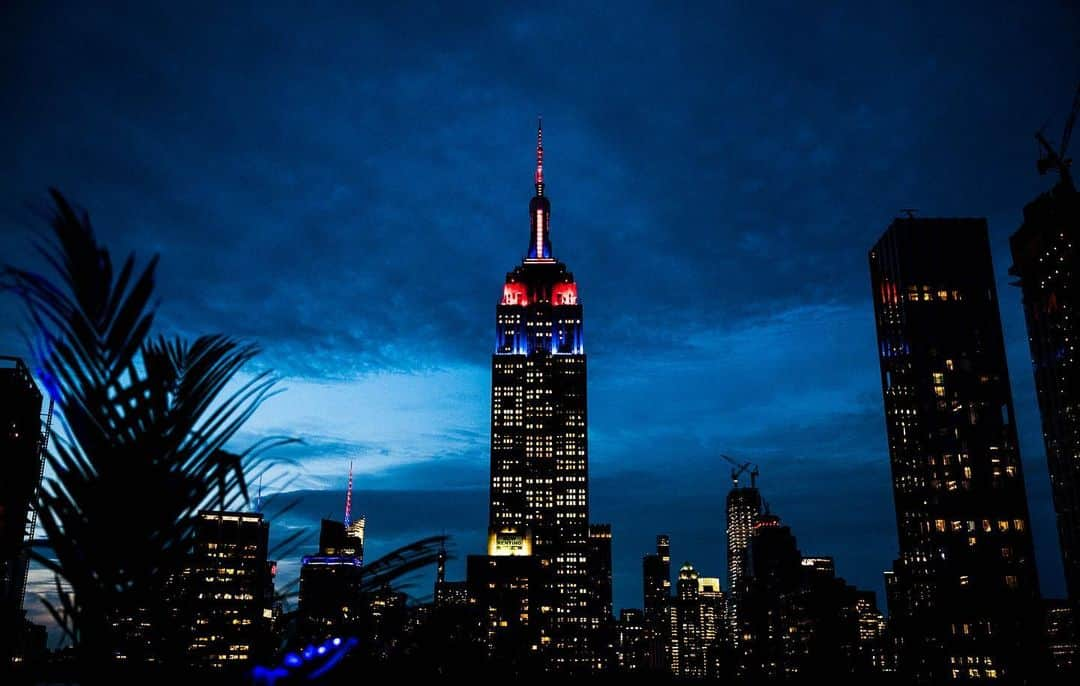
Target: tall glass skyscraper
964 592
743 508
539 442
1044 253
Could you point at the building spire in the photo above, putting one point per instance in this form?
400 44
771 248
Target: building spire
539 155
539 208
348 499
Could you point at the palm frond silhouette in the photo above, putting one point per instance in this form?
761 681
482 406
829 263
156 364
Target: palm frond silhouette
146 421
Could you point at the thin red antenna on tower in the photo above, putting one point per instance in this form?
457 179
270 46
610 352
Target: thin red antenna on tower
348 498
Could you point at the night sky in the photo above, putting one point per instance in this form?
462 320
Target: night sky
349 189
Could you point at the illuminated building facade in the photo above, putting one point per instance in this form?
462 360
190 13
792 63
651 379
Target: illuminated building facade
743 508
20 445
231 587
1044 252
539 439
715 630
964 589
656 583
633 646
687 641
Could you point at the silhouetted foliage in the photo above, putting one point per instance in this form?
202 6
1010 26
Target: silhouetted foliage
142 446
145 421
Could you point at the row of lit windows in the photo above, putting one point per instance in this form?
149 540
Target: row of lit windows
927 294
1003 525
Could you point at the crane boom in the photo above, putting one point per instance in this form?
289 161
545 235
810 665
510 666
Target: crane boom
738 468
1051 158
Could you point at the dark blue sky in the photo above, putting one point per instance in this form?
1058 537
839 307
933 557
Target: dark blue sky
348 188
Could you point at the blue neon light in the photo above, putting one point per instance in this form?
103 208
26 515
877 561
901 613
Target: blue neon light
318 660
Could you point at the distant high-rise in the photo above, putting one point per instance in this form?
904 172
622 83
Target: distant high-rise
656 582
601 614
1044 252
687 642
798 620
331 600
743 508
715 633
633 648
539 437
231 592
20 450
964 589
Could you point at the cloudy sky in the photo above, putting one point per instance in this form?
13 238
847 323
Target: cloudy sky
348 189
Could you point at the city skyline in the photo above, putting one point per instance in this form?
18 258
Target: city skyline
360 350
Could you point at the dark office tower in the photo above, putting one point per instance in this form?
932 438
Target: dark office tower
1044 254
1061 639
743 508
965 586
539 440
22 459
448 593
599 585
656 582
231 590
508 592
687 645
633 650
330 600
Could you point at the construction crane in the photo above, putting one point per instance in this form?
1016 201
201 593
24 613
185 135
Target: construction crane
1049 158
738 468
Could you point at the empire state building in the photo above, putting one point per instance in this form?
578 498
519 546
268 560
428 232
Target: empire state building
539 445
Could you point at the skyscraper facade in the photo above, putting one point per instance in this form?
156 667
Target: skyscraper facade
601 613
1044 252
687 643
743 508
231 590
656 584
20 448
331 599
539 440
715 635
633 651
964 590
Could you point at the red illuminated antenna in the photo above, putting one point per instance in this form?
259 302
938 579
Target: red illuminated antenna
348 499
539 155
